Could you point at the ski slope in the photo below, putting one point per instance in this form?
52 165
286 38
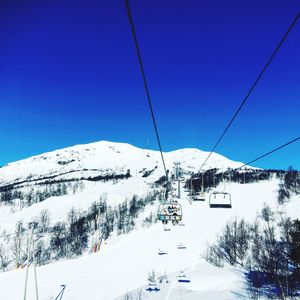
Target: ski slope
58 207
123 264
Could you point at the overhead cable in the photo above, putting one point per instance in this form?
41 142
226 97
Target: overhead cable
252 88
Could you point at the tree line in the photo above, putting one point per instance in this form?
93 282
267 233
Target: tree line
77 234
268 251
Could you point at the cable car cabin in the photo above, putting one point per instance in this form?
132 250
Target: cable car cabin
170 212
198 196
220 200
183 278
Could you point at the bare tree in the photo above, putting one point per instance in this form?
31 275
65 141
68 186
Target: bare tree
4 260
44 220
151 276
128 296
139 294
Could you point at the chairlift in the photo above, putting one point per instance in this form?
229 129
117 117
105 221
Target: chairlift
181 246
161 252
182 278
170 211
152 287
220 200
199 196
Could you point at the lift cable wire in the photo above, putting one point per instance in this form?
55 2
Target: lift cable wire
145 82
6 235
252 88
268 153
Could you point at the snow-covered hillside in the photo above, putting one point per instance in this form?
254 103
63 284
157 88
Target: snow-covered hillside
123 264
124 260
104 158
87 163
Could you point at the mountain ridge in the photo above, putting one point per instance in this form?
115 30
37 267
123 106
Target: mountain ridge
106 158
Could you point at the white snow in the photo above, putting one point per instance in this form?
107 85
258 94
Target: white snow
123 263
104 158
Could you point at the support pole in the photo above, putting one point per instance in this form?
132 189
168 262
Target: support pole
177 164
31 257
27 266
34 269
214 181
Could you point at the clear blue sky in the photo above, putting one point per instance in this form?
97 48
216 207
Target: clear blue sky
69 75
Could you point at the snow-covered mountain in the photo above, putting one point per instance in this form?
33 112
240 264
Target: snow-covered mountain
89 165
124 260
105 158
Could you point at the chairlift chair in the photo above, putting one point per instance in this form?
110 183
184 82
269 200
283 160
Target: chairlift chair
182 278
162 252
220 200
181 246
170 212
152 287
199 196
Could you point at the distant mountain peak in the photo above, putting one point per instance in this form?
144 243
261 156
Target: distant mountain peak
108 156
